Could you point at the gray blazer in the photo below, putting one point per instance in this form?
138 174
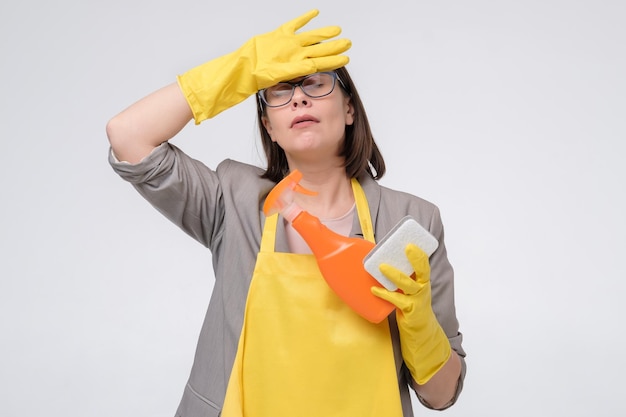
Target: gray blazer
222 209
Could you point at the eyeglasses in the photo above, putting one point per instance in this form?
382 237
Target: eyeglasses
315 85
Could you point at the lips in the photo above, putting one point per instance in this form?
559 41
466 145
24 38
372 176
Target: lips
305 118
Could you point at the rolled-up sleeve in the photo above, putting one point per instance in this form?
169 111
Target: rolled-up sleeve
183 189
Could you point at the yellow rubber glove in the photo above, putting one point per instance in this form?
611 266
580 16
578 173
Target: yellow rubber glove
425 346
261 62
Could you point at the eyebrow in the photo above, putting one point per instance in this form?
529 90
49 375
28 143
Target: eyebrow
295 80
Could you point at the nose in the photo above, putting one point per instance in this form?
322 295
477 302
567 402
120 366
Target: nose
299 98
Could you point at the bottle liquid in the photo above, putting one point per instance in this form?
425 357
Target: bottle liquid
339 258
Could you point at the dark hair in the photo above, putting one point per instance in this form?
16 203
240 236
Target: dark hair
359 148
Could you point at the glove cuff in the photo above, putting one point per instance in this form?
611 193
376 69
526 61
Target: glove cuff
425 360
216 85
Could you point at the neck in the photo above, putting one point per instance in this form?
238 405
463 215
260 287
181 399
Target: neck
334 192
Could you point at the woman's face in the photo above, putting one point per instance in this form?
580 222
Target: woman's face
310 129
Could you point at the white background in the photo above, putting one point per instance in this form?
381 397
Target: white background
509 115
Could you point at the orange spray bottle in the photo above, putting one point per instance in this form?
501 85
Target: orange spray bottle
339 258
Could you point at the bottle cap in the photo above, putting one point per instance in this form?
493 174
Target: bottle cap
282 194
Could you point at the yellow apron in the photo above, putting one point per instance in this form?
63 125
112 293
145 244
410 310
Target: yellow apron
302 351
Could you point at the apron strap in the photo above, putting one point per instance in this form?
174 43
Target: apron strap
268 238
363 211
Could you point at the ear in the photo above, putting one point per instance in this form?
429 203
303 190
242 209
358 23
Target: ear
268 126
349 109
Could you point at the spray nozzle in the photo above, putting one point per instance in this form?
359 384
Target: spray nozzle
281 196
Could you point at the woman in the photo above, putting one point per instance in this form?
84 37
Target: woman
276 340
